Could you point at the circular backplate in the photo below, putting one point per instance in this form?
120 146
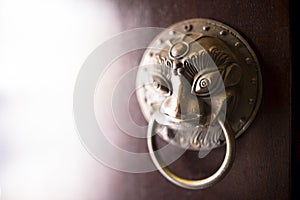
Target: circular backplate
250 87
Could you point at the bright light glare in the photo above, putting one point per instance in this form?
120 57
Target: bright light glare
43 44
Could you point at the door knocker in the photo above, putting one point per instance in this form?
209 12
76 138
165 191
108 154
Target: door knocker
201 89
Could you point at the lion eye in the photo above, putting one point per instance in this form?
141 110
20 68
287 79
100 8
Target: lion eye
161 86
204 83
202 86
207 84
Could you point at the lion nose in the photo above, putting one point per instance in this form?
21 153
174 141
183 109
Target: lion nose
171 107
185 107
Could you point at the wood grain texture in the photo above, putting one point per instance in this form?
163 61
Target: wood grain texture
295 104
262 166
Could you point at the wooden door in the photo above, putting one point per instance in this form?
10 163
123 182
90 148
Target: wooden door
261 169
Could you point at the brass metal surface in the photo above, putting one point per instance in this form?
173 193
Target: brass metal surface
195 76
190 53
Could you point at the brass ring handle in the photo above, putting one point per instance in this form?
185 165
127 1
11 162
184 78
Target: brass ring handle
202 183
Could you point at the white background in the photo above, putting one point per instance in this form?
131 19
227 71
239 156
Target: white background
43 44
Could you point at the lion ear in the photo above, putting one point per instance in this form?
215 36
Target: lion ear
232 75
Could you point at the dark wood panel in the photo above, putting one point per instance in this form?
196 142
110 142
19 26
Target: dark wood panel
262 166
295 105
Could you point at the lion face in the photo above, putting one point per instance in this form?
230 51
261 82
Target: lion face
185 91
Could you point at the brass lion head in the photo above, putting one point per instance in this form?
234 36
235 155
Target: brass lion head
184 85
190 81
196 80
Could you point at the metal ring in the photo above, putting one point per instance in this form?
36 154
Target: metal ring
195 184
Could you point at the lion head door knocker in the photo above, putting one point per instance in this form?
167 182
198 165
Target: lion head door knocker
199 86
